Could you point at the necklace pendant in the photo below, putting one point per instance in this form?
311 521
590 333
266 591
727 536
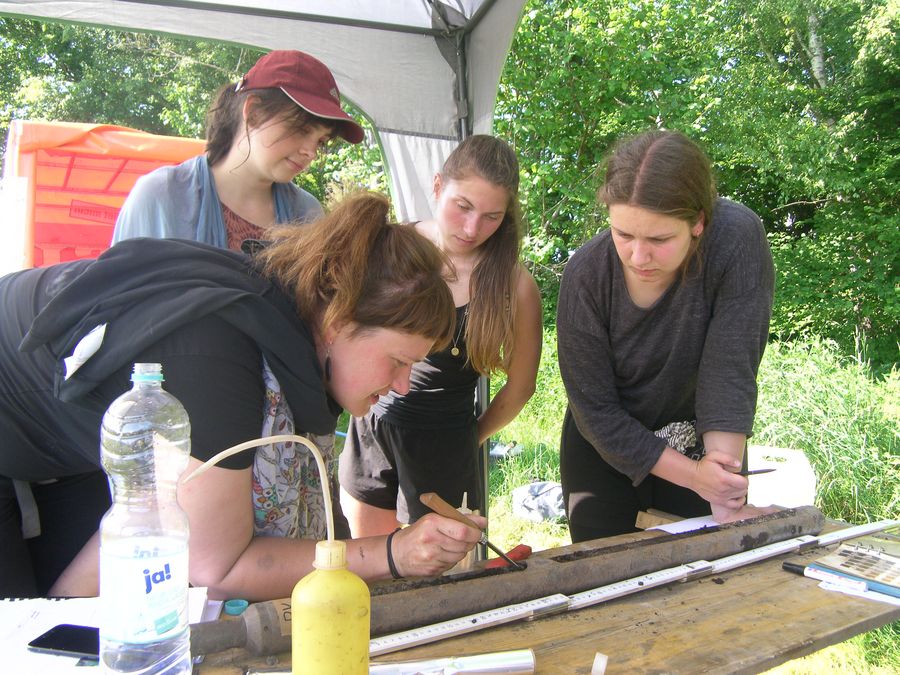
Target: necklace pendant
455 351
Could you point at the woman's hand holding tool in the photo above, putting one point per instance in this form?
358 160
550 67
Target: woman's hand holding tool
439 506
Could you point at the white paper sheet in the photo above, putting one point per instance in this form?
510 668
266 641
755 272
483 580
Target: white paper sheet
851 590
686 525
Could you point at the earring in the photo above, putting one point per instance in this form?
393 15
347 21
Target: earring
328 366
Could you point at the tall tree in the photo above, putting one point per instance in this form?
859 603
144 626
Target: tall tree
795 100
144 81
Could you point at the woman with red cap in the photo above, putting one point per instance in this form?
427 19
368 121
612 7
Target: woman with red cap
261 133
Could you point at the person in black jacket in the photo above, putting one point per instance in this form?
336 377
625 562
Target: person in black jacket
329 316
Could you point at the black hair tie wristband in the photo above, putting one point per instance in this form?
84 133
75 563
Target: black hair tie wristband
390 556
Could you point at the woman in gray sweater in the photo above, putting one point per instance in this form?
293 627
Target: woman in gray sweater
662 323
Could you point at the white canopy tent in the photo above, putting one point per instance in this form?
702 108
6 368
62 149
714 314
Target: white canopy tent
424 72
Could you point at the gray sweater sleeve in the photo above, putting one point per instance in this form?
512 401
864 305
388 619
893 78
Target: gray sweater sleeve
693 355
740 286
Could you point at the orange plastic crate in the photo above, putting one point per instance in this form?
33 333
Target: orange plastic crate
67 182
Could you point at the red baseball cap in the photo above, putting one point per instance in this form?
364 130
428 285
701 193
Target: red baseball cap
307 82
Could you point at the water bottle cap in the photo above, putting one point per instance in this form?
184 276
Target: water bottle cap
147 372
330 555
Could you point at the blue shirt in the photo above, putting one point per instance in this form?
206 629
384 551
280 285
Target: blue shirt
181 202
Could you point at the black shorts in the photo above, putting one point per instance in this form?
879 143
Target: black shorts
389 466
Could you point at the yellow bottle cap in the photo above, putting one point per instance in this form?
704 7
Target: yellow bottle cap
330 555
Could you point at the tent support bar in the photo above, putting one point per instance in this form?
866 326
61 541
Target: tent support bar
415 134
482 398
288 16
472 23
483 390
462 88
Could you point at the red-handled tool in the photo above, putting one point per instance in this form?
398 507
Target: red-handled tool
520 552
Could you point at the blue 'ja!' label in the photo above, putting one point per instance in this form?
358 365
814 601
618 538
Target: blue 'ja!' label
156 578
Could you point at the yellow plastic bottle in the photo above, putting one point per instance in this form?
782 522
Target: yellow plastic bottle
330 620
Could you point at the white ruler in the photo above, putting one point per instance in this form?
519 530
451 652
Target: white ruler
731 562
856 531
619 589
560 602
688 570
467 624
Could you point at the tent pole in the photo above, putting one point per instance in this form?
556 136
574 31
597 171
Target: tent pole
482 389
462 87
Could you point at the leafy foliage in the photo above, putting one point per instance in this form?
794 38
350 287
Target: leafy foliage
74 73
814 399
795 101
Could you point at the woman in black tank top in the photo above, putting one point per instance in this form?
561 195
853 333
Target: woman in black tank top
426 439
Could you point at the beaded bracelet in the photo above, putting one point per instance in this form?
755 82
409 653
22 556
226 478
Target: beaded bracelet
390 556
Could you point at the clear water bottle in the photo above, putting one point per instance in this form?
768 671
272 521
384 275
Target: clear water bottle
145 446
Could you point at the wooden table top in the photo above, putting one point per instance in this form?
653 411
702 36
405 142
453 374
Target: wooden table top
747 620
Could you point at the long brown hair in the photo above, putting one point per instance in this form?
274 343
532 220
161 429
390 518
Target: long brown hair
665 172
354 266
225 116
490 334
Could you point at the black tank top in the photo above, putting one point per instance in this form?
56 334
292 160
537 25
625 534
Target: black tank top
441 389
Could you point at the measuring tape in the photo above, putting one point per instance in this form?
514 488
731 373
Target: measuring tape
855 531
467 624
687 571
560 602
731 562
619 589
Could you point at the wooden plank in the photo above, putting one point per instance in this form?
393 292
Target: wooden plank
654 518
744 621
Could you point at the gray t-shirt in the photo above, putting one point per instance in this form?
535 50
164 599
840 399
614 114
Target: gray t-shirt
693 354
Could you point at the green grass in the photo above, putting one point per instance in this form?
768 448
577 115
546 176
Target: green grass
845 421
812 398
